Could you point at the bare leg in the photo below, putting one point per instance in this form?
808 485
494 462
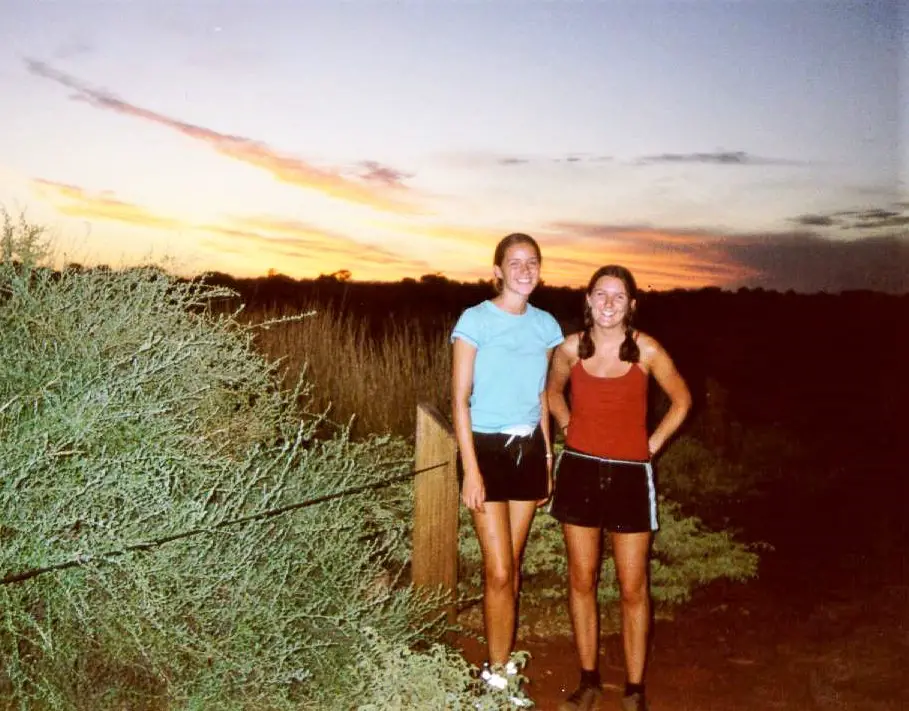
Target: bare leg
584 545
631 552
494 533
520 516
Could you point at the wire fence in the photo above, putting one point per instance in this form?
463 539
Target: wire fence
83 559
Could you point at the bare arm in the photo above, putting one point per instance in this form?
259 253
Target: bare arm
664 372
544 425
473 493
565 356
544 412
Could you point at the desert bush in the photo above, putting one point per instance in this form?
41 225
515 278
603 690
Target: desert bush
128 416
371 381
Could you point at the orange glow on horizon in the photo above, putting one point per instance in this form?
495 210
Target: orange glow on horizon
250 246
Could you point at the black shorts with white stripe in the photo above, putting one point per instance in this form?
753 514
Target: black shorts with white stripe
618 495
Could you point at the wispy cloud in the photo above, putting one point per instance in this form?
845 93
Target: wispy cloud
374 172
75 201
874 219
257 239
311 248
512 160
814 220
73 48
567 158
811 263
660 259
388 194
304 236
715 158
665 258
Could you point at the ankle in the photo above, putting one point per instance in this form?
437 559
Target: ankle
590 677
637 688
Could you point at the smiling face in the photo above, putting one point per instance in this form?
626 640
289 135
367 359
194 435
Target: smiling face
519 270
609 302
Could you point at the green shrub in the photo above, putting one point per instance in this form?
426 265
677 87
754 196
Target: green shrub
127 416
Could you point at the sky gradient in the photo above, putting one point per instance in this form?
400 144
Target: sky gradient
726 143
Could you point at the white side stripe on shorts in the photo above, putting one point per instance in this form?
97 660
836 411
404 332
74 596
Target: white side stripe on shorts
651 488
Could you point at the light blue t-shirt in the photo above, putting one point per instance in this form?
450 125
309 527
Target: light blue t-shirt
510 368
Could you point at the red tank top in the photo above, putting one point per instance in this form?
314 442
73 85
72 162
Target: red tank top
609 415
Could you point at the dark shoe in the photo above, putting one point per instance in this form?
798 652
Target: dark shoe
584 698
634 702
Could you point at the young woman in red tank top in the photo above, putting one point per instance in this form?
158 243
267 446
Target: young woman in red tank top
605 479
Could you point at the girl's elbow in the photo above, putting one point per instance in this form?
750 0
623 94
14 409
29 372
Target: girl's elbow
684 405
459 402
681 401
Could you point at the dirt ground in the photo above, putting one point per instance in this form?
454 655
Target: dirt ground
824 628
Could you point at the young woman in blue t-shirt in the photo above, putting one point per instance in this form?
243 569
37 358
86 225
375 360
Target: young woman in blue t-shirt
501 355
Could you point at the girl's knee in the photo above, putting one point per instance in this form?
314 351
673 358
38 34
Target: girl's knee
583 581
500 576
634 594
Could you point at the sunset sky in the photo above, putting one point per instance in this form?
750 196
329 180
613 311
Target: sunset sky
699 142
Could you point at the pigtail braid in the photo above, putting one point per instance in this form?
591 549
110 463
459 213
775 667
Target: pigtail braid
629 351
586 347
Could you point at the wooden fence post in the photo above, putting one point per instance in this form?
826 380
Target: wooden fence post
435 517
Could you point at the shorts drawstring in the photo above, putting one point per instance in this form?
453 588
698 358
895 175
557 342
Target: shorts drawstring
525 432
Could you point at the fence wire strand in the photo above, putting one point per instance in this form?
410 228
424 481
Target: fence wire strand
269 513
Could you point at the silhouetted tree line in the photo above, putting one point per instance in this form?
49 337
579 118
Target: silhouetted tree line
829 369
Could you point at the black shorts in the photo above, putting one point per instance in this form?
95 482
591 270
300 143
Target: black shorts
513 467
617 495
